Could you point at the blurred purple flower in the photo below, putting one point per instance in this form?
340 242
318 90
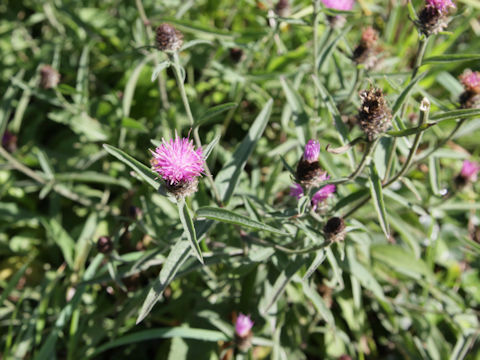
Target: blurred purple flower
471 80
296 191
441 5
470 170
176 161
323 194
312 151
339 4
243 325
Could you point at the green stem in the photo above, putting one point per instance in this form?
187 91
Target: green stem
368 151
181 86
422 46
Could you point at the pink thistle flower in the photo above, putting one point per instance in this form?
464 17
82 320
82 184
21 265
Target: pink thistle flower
296 191
177 162
470 170
243 325
323 194
339 4
471 80
312 151
441 5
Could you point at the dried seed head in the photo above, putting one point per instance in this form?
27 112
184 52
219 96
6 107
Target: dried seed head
104 244
282 8
49 77
310 174
374 116
470 98
168 38
334 229
367 51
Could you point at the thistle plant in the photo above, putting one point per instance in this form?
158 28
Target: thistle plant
200 161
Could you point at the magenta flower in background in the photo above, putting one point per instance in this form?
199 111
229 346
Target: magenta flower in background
441 5
339 4
243 325
470 170
177 161
296 191
323 194
471 80
312 151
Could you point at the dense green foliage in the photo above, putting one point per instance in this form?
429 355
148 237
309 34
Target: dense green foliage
405 282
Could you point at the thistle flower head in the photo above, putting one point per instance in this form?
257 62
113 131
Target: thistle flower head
470 170
369 36
104 244
339 4
366 52
282 8
471 81
312 151
440 5
374 115
168 38
323 194
334 229
296 191
179 164
243 325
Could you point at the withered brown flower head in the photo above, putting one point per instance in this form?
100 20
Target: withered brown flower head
168 38
334 229
374 116
367 50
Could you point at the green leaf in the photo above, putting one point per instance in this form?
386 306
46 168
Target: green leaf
144 172
209 148
410 131
165 333
400 259
214 111
318 302
448 58
187 222
404 94
163 65
13 282
227 179
132 83
455 114
62 238
281 283
175 259
377 197
133 124
230 217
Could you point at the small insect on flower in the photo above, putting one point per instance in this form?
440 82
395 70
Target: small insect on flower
470 98
179 164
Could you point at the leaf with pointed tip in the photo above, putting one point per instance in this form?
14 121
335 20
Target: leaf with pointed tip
187 222
377 197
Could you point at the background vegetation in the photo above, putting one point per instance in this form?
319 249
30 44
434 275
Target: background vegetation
412 294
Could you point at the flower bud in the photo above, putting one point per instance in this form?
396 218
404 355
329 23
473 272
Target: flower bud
104 244
468 174
168 38
366 52
49 77
282 8
374 116
470 98
433 18
236 55
243 332
334 229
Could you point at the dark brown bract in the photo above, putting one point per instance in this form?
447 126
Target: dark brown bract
310 174
334 229
374 116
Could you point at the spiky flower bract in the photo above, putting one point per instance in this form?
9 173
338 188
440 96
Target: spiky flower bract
309 173
470 170
374 115
179 164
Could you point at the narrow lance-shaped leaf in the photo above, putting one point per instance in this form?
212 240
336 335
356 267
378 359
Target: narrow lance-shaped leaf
377 197
189 228
227 179
448 58
144 172
231 217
